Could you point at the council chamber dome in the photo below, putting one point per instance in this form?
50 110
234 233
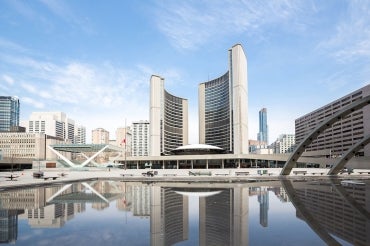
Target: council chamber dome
197 149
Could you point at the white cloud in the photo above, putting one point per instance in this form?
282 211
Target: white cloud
62 10
95 95
351 39
9 80
29 88
189 24
6 44
32 102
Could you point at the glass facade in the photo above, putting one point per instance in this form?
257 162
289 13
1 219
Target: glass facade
9 112
223 106
218 112
263 133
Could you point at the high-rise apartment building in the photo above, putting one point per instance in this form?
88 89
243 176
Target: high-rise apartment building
343 134
262 135
9 112
140 138
168 119
80 135
55 124
223 107
100 136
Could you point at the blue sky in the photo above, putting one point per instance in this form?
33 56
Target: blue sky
93 59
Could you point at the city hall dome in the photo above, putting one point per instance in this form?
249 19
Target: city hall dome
197 149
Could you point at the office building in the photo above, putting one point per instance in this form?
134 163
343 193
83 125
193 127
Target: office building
22 149
168 119
9 112
223 107
343 134
140 138
100 136
262 135
284 144
55 124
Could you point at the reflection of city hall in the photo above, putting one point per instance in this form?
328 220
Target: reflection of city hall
223 217
340 209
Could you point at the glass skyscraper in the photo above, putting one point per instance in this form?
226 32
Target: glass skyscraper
263 130
9 112
223 107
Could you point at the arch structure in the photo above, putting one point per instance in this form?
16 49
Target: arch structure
339 165
293 158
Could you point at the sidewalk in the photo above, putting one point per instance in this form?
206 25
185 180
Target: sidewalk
25 178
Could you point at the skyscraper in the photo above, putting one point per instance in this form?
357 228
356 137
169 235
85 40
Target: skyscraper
262 135
9 112
223 106
168 119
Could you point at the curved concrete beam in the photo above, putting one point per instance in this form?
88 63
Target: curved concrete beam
293 158
339 165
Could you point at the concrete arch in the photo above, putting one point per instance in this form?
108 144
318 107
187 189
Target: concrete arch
339 165
293 158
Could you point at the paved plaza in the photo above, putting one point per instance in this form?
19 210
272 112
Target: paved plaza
25 178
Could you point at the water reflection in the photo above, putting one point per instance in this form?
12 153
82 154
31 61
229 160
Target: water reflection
334 208
334 211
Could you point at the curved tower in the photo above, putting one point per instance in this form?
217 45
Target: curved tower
223 107
168 119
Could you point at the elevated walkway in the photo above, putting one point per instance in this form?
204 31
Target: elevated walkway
81 148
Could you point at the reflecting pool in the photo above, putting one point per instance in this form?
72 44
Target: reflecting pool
111 212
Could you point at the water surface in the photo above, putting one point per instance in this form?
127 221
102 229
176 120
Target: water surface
111 212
